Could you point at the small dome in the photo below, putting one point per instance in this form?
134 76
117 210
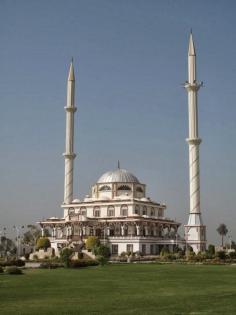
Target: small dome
118 176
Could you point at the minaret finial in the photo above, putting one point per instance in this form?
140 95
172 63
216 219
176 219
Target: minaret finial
71 76
118 164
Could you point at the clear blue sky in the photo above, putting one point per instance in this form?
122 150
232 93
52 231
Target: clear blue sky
130 61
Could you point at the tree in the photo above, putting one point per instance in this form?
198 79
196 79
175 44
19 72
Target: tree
222 230
92 242
43 243
30 237
211 249
7 246
66 255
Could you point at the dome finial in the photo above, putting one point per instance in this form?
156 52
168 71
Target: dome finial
118 164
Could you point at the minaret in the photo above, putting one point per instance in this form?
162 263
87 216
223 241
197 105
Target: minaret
69 150
195 231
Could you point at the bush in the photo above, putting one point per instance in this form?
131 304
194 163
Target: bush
102 250
12 262
43 243
164 252
102 260
232 255
80 255
12 270
83 263
92 242
211 249
66 256
35 257
123 254
1 269
221 254
50 265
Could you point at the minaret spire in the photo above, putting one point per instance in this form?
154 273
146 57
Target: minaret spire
195 231
69 154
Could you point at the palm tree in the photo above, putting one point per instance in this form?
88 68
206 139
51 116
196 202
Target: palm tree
222 230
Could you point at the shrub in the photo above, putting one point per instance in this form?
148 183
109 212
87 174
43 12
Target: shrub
92 242
66 255
123 254
79 263
164 252
13 270
43 243
80 255
35 257
221 254
50 265
102 250
232 255
102 260
211 249
12 262
1 269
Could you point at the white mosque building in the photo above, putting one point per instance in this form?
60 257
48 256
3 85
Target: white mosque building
118 210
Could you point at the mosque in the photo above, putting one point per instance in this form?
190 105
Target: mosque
118 210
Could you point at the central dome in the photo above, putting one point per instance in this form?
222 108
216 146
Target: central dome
118 176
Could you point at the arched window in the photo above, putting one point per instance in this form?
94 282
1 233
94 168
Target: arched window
137 210
139 189
124 187
124 210
144 210
110 211
83 211
105 188
71 210
96 212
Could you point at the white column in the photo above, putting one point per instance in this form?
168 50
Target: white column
69 154
192 230
42 232
137 230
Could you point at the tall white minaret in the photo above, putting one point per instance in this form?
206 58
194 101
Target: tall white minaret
69 154
195 231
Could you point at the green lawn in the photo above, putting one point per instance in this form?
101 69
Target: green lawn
121 289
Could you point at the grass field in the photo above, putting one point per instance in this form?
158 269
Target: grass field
121 289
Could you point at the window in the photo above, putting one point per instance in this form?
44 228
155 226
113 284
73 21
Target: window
96 212
139 189
124 187
114 249
160 213
105 188
152 249
91 232
129 248
144 249
144 210
152 212
137 210
71 210
110 211
83 211
124 210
